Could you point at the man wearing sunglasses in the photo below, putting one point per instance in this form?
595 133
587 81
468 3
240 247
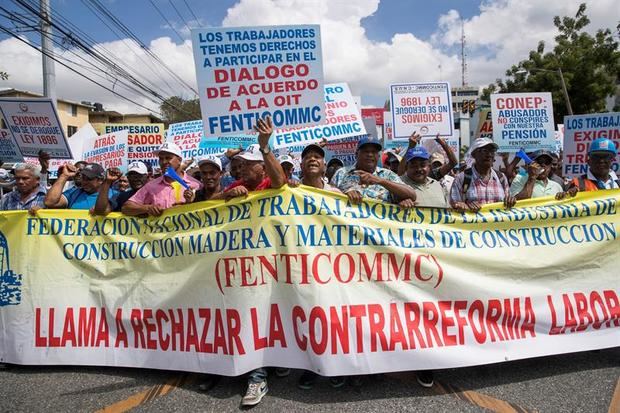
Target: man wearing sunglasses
601 154
537 182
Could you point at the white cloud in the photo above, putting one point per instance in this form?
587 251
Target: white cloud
502 33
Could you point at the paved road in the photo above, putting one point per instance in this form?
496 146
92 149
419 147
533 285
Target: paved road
580 382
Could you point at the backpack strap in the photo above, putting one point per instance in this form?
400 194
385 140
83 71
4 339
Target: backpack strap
468 175
582 182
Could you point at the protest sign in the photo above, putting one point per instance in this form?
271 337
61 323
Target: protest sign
248 73
376 113
188 136
142 142
76 143
559 138
302 278
580 131
9 152
342 121
35 127
523 121
485 124
371 127
109 150
425 108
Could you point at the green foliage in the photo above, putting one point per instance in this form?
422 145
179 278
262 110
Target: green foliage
590 65
176 109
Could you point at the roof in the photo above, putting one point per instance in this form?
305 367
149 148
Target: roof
11 91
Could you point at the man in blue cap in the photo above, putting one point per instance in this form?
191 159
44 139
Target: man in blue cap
429 192
601 154
537 182
366 180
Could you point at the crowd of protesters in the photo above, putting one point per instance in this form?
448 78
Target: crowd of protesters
412 178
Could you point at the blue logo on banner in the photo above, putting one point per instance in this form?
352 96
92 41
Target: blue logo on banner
10 282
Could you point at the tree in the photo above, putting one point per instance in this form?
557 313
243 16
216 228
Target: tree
589 64
176 109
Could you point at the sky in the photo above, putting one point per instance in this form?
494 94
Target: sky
366 43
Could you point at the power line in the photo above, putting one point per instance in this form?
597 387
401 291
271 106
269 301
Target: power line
167 21
190 10
179 14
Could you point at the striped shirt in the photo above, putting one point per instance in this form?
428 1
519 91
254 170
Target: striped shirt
483 192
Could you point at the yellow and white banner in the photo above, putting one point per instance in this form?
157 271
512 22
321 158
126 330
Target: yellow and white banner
301 278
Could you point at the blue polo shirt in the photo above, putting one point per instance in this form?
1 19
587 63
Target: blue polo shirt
78 199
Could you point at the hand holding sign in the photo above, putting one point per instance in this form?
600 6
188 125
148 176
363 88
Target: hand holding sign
69 170
112 175
414 139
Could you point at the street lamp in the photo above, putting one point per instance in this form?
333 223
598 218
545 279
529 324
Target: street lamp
569 108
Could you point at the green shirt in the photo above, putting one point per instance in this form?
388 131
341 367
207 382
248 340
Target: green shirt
429 194
540 188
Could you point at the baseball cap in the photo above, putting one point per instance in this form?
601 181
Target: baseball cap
285 159
138 167
481 143
438 157
602 145
92 171
313 147
369 140
417 152
251 153
170 147
212 160
335 160
537 154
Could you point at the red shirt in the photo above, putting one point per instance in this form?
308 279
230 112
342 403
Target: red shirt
264 184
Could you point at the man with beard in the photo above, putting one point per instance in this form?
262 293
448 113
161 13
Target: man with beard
480 184
137 176
366 180
537 182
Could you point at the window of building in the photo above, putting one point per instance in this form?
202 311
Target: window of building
73 110
71 130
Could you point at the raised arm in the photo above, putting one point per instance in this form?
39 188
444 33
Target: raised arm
274 170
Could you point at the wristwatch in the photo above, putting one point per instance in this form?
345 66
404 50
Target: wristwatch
265 150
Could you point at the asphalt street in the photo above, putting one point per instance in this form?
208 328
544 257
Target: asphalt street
579 382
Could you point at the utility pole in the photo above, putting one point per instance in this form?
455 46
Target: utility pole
463 63
49 73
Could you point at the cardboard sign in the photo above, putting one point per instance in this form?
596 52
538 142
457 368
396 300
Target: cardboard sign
248 73
523 121
35 126
142 142
9 151
343 121
485 124
425 108
580 131
453 142
188 136
109 150
371 127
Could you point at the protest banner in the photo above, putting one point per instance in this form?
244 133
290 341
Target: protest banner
143 140
248 73
376 113
485 124
9 152
35 126
188 136
425 108
302 278
389 144
580 131
342 121
523 121
109 150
